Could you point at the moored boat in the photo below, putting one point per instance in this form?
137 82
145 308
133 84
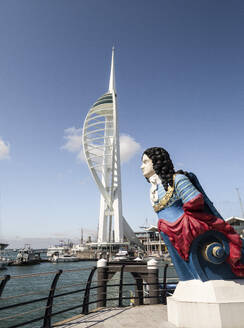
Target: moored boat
57 257
61 248
27 256
123 255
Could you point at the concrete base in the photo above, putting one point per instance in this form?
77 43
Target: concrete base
211 304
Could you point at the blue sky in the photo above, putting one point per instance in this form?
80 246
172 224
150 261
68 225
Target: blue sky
180 83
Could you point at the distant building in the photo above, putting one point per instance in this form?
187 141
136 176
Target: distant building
237 224
150 238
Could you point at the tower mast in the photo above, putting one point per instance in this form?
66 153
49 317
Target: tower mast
112 75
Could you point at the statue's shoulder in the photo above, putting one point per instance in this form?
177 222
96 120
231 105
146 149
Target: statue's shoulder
209 206
180 178
183 181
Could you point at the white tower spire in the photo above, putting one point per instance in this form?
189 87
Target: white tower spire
112 75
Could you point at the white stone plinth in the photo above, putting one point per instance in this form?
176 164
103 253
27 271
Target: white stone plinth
210 304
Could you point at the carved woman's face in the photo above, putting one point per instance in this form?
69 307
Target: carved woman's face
147 167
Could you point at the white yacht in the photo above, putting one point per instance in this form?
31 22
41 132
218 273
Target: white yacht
62 252
61 248
57 257
123 255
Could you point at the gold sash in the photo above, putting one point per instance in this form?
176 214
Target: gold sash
164 201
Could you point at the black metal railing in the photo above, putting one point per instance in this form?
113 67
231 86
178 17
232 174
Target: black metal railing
90 294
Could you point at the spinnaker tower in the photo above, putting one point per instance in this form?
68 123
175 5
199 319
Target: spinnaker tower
100 138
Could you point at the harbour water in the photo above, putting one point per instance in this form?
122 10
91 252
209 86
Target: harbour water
74 277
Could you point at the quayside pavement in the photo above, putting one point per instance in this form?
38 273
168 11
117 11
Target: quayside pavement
149 316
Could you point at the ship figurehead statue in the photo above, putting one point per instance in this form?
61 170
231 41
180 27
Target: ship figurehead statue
201 244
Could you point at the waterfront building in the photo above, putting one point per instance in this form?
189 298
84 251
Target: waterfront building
238 224
152 243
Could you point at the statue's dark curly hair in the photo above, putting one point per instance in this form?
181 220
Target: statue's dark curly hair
162 165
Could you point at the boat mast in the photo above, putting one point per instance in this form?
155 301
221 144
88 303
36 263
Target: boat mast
241 205
81 236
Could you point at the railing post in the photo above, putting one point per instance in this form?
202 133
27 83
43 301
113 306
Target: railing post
102 282
139 289
48 312
165 285
85 306
152 269
121 285
3 283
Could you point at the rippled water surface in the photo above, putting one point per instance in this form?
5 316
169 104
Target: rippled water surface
34 287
